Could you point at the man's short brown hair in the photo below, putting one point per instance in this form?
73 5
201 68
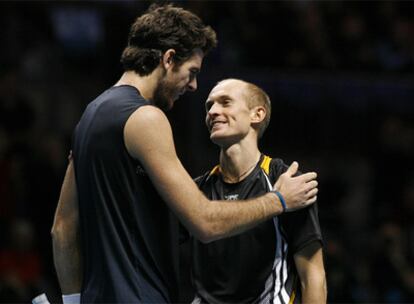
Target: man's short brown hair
258 97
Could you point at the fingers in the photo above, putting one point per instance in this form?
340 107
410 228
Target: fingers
311 185
312 192
307 177
293 168
311 200
312 196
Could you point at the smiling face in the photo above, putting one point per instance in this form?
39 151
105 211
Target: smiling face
229 117
177 79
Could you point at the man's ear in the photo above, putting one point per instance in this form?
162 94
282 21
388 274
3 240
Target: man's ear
168 58
257 114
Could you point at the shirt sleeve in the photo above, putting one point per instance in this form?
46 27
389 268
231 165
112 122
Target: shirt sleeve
300 227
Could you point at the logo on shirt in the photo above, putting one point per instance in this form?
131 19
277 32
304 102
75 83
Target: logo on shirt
140 171
231 197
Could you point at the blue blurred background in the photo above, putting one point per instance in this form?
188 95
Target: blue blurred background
340 76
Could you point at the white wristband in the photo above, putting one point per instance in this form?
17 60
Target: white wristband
40 299
73 298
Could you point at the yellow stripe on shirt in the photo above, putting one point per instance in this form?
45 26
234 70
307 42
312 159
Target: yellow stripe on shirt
265 165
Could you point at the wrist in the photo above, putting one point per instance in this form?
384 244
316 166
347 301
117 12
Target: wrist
281 199
73 298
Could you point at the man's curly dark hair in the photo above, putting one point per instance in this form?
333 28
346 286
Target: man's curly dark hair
161 28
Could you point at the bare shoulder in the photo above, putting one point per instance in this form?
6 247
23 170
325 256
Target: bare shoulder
146 119
148 127
146 116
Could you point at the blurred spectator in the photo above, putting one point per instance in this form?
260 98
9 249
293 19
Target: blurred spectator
20 264
393 274
339 274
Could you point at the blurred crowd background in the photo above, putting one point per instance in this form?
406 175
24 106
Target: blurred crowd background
340 76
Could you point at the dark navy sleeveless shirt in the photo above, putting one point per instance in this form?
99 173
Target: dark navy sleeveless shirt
129 235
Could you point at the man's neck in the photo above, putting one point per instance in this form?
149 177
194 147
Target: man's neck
238 161
146 85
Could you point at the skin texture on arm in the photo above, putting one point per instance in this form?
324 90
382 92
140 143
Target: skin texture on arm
65 236
148 138
309 263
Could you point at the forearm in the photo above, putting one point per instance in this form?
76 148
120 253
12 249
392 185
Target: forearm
66 236
227 218
314 291
309 264
67 259
209 220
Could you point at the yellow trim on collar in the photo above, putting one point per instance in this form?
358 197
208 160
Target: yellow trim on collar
265 165
215 170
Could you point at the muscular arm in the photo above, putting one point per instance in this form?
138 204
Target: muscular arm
148 138
309 263
65 236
